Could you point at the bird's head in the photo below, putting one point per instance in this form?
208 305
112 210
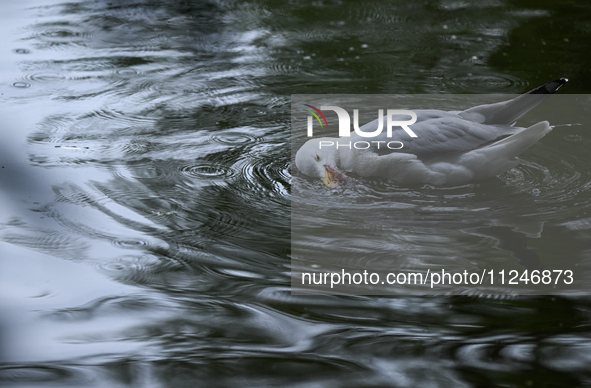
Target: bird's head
318 159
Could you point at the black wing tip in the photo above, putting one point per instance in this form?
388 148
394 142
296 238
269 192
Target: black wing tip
550 87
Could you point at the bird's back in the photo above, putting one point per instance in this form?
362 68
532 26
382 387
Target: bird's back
438 133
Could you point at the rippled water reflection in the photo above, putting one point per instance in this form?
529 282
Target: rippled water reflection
146 231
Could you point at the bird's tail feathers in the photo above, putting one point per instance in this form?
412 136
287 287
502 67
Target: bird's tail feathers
519 142
508 112
498 157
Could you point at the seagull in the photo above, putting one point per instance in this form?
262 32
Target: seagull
450 148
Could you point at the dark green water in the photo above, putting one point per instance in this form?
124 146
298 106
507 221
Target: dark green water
145 194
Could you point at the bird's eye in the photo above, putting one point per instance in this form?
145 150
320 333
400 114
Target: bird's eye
317 158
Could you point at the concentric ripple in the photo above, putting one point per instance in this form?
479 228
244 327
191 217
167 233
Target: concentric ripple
61 34
130 244
233 138
466 82
206 171
271 175
558 179
45 77
137 269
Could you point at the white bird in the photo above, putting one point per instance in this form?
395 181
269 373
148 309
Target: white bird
452 148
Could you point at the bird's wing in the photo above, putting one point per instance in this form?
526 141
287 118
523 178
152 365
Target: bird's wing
438 133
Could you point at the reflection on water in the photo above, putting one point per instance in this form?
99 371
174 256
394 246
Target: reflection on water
146 240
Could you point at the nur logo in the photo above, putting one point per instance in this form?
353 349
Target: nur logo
345 121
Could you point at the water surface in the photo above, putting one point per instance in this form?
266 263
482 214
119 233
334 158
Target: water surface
146 177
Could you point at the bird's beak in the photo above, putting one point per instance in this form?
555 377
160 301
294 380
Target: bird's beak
332 176
329 177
